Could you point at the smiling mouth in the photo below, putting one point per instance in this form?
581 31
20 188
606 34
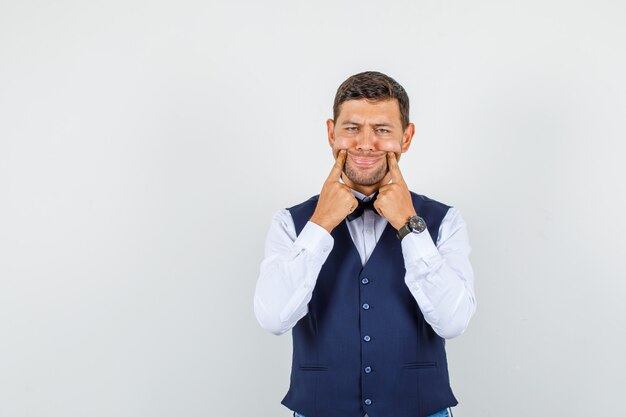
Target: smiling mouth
365 162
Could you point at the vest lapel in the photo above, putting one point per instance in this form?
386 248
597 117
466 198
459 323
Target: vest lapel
343 238
387 240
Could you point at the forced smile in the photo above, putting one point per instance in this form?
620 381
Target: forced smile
365 161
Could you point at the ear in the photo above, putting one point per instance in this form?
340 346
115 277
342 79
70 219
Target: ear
407 137
330 127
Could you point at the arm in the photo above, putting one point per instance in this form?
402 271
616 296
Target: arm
292 263
289 272
441 277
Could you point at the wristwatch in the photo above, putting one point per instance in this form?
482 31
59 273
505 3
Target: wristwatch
415 225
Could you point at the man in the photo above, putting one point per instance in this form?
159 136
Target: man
370 277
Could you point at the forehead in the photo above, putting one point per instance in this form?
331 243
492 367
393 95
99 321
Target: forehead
364 111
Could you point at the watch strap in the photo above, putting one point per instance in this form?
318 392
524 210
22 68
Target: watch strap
403 231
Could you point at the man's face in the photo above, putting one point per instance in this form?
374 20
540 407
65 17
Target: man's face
368 130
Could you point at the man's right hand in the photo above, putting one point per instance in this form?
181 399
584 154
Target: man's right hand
336 200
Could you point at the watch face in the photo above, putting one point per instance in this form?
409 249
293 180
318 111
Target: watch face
417 224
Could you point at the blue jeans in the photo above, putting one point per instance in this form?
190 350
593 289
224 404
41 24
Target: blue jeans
442 413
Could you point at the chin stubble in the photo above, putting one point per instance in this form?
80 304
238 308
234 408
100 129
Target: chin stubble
358 178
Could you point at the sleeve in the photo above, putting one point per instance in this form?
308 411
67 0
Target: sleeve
289 271
440 277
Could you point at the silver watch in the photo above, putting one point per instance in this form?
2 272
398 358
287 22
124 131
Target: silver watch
415 225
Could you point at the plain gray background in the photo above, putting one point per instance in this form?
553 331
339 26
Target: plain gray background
145 145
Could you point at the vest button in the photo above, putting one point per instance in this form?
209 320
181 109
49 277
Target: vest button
367 369
366 306
365 281
367 338
368 401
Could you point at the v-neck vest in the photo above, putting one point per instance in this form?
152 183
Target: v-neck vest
364 346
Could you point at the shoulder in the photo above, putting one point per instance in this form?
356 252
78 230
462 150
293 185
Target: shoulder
301 213
420 200
305 204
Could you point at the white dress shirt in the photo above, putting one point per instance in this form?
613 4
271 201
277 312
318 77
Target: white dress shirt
439 277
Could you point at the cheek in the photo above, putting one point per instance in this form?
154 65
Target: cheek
388 146
349 142
344 142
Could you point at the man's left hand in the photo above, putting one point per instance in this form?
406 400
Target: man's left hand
394 199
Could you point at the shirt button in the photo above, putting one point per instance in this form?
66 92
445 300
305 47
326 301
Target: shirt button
368 369
367 338
368 401
366 306
365 281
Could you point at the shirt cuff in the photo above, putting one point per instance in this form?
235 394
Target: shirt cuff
316 240
420 252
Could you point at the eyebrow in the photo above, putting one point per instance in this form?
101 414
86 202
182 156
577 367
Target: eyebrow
351 122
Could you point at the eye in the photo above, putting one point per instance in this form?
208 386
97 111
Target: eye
352 128
382 131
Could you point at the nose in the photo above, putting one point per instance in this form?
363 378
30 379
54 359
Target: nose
365 140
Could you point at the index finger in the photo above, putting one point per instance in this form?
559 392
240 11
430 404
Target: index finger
394 169
335 173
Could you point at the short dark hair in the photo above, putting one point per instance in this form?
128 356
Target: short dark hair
372 86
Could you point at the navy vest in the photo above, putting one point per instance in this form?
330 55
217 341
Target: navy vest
364 346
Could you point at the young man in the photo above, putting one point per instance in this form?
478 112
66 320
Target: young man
371 277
